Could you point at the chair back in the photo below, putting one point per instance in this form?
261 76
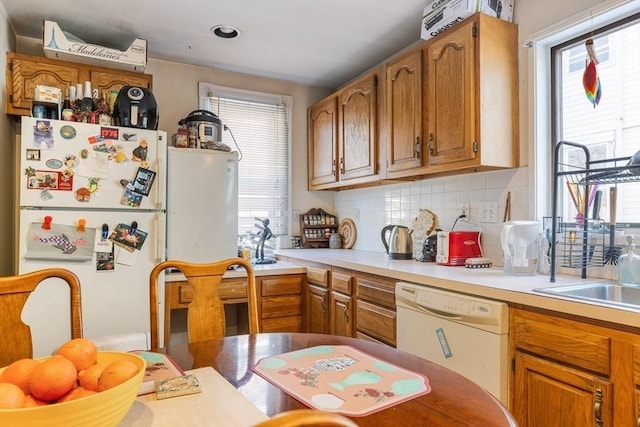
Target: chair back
15 336
307 417
205 314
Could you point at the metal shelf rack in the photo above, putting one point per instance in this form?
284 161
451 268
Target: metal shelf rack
583 252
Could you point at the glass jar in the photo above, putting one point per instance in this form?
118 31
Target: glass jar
335 241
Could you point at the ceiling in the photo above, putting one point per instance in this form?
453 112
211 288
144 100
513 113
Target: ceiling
314 42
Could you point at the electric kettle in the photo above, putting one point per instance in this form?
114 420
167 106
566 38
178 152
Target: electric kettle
399 244
519 241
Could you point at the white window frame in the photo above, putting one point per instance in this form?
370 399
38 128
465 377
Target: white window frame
539 90
207 90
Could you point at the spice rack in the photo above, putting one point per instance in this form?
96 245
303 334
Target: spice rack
583 243
316 226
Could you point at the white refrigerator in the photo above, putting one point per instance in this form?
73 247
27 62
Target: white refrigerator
92 200
202 204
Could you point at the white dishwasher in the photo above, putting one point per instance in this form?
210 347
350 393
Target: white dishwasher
466 334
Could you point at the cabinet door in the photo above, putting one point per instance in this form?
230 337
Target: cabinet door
451 96
317 310
114 80
341 314
404 112
376 322
24 74
281 303
323 142
547 394
357 121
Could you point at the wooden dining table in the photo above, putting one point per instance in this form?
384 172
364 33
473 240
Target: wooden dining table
453 401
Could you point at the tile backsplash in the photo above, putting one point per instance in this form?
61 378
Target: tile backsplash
373 208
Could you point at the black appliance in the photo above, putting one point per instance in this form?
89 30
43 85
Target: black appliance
136 107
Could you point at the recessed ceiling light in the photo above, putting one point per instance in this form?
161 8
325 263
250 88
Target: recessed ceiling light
225 31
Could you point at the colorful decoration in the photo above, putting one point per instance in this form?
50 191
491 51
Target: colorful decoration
590 79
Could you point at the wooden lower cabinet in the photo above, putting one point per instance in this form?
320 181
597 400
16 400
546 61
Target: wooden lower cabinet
341 314
375 308
280 302
573 371
548 394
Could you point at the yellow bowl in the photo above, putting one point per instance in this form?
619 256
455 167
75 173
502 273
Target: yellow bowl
103 409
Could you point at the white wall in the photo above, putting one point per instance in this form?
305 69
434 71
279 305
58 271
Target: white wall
7 43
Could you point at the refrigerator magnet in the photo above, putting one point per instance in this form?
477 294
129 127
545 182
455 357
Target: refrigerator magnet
143 181
103 244
105 261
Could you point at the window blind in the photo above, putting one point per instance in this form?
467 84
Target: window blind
261 132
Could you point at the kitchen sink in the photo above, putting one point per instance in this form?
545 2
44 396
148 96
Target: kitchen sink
603 292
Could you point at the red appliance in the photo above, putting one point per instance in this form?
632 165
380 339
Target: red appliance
454 247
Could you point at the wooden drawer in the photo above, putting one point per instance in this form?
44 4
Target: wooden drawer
281 306
562 340
376 322
341 282
377 290
235 288
282 285
318 276
180 294
282 324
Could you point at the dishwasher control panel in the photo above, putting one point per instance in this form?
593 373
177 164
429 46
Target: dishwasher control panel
471 310
452 304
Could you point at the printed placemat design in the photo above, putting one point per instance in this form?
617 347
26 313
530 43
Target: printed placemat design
341 379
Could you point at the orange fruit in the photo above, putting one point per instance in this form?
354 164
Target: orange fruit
30 401
53 378
88 378
116 373
76 393
11 396
19 373
81 351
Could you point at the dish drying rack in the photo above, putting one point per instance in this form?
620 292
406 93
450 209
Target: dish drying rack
583 242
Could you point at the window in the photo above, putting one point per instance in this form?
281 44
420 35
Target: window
612 128
257 125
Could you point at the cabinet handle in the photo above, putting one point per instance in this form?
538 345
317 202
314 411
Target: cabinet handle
346 311
342 165
431 145
417 148
324 303
597 408
333 167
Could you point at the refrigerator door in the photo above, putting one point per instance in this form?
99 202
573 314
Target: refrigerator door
85 166
114 301
202 204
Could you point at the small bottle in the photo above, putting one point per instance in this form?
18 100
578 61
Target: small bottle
87 99
67 111
629 265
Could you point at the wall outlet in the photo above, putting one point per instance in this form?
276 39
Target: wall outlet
296 215
465 209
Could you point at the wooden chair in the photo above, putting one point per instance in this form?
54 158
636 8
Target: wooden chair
15 336
205 314
307 417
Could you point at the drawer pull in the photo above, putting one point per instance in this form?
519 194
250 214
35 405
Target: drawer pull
597 408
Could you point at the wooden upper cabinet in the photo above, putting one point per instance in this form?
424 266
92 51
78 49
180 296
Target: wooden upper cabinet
24 72
107 80
323 142
404 112
451 97
471 97
357 124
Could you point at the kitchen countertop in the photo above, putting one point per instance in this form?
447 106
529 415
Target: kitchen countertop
484 282
276 269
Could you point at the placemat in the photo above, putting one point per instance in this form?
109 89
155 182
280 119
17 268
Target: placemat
341 379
